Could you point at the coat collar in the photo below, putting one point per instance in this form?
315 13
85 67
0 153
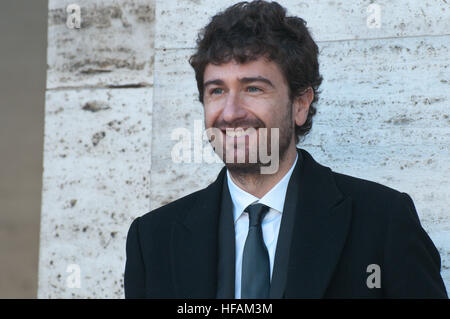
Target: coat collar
321 224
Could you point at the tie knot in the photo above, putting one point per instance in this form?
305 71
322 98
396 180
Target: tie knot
256 213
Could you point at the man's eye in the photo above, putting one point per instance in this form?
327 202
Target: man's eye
216 91
253 89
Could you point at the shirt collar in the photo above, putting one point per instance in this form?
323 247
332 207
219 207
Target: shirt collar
274 198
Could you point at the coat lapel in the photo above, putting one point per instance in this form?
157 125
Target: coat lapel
321 225
194 245
226 273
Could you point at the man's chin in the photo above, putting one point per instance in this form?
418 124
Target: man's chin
244 168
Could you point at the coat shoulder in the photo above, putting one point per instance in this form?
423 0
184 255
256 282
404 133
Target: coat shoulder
362 188
174 210
374 200
160 220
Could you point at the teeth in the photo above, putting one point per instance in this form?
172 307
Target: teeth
230 133
237 132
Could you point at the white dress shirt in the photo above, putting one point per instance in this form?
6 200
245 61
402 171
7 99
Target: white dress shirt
270 224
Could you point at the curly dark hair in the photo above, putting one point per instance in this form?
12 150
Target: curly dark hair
248 30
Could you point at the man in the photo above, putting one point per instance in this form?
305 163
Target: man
299 231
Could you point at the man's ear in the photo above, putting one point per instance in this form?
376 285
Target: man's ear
301 106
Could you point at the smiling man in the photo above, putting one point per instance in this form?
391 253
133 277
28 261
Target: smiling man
241 100
297 231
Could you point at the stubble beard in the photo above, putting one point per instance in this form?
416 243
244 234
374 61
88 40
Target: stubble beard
247 168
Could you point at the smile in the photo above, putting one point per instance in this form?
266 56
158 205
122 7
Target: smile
239 132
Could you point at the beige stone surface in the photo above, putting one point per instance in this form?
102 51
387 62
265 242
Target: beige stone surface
97 144
113 46
328 20
96 169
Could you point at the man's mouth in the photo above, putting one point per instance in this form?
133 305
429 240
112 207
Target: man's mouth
239 131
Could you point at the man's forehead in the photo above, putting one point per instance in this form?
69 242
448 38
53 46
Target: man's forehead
260 67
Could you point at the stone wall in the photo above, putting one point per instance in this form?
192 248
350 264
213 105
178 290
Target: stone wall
383 115
97 149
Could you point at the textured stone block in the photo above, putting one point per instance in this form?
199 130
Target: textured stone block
327 20
113 46
96 181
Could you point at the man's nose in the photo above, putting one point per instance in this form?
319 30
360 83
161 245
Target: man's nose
233 108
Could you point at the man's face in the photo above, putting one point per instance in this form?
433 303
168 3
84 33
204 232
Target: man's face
240 100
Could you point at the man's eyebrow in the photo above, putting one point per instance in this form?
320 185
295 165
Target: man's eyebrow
210 82
242 80
256 79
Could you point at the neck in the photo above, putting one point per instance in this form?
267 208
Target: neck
259 184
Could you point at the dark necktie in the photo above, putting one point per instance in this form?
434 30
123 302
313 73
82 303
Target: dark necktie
255 282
